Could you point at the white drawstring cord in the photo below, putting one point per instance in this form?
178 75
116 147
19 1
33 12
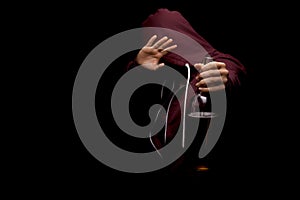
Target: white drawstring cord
150 135
184 113
162 89
165 136
185 101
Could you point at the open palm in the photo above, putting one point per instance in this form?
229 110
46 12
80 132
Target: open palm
149 56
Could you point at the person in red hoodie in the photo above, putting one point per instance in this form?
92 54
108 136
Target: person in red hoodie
225 73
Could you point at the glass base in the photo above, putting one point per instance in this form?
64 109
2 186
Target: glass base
202 114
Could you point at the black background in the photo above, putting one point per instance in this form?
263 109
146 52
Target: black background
63 36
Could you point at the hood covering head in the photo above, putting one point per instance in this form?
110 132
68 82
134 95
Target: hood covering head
191 47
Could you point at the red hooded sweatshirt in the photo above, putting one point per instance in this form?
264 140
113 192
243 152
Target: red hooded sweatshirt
187 52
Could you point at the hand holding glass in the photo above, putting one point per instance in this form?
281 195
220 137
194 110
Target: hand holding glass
199 101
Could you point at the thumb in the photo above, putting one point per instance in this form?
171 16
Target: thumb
198 66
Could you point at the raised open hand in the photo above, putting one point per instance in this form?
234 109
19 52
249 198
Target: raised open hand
149 56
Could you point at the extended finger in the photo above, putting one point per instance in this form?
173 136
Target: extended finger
152 66
166 50
160 42
156 67
166 43
151 40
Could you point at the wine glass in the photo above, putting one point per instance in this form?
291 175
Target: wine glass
199 101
